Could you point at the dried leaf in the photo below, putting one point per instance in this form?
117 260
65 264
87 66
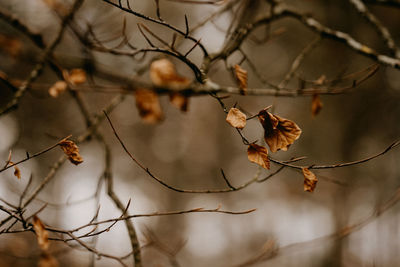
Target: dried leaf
57 6
279 133
320 80
148 105
71 150
310 180
41 233
77 76
179 101
259 155
47 260
241 76
57 88
316 105
236 118
17 171
10 45
163 74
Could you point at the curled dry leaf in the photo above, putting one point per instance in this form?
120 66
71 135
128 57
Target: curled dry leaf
259 155
279 133
241 77
47 260
163 74
236 118
316 105
41 233
77 76
17 171
10 45
148 105
71 150
57 88
310 180
57 6
321 80
179 101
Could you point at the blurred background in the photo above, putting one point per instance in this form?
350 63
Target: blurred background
188 150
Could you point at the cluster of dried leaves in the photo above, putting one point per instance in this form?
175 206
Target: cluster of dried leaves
163 74
279 133
71 78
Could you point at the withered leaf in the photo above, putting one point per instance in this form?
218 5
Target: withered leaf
71 150
57 88
320 80
279 133
179 101
41 233
10 45
57 6
241 77
236 118
17 171
316 105
259 155
47 260
310 180
163 74
77 76
148 105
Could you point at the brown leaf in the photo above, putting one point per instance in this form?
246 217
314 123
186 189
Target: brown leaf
77 76
148 105
41 233
71 150
47 260
10 45
316 105
259 155
17 171
236 118
321 80
57 6
279 133
57 88
310 180
241 77
163 74
179 101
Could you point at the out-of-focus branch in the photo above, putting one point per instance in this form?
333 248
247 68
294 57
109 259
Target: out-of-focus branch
110 191
15 22
35 73
343 37
394 3
379 27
